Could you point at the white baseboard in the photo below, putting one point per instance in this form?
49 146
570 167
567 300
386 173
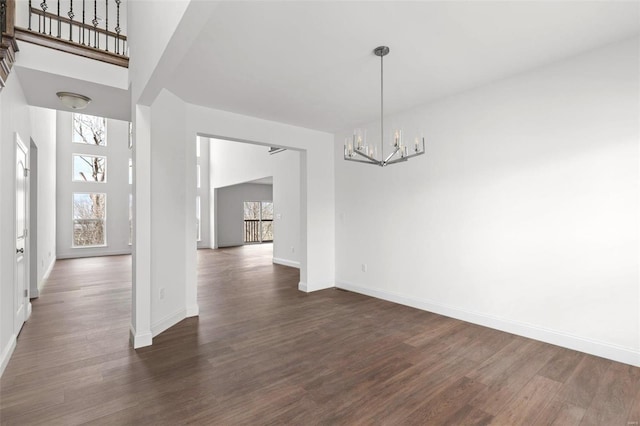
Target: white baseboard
139 340
44 279
7 351
193 311
286 262
29 310
168 321
82 253
308 288
590 346
48 271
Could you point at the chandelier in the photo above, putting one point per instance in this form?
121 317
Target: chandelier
357 148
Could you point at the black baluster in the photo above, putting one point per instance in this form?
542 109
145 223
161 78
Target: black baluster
118 26
29 15
83 24
96 43
49 25
44 8
71 15
59 19
106 25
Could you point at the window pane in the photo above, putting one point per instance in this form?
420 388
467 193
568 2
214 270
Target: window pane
89 130
251 210
267 230
88 168
89 214
267 210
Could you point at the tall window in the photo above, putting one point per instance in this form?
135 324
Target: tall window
89 208
89 130
89 216
258 221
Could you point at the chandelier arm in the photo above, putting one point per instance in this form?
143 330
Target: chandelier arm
391 155
374 163
397 160
366 156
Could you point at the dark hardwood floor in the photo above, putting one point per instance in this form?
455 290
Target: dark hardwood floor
262 352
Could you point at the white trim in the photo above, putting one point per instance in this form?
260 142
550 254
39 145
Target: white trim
598 348
46 275
193 311
94 254
311 287
286 262
6 353
29 310
139 340
168 321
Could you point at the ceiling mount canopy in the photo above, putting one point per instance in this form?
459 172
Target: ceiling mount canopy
73 100
358 149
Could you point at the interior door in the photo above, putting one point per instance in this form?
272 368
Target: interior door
21 294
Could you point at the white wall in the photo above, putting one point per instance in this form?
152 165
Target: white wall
43 133
230 210
116 187
286 208
14 117
522 216
204 192
234 162
148 38
172 204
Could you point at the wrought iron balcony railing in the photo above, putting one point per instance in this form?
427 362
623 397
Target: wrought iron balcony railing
90 28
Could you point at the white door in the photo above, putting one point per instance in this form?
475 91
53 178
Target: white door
22 293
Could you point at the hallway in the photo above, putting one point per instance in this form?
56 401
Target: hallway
263 352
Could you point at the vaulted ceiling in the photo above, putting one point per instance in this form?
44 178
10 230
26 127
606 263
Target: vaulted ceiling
311 63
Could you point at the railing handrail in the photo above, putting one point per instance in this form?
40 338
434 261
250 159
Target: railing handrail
85 26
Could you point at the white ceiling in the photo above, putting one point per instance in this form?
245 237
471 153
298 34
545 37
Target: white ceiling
40 89
311 63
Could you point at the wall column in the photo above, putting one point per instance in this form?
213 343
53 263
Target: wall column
141 280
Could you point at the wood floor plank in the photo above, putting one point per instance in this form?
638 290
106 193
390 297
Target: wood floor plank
560 413
526 405
262 352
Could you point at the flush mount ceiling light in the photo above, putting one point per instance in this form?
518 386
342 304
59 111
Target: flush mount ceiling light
73 100
357 148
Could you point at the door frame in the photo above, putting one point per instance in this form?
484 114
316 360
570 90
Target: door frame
19 322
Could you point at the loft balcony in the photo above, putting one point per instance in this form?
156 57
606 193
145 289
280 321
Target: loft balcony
89 28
